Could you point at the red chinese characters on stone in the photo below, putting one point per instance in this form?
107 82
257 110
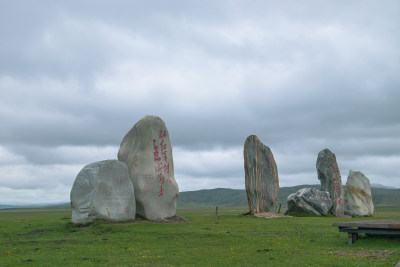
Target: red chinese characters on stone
161 178
160 193
166 169
162 134
337 186
318 198
163 146
161 161
155 151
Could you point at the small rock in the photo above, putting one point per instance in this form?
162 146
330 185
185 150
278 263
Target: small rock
310 200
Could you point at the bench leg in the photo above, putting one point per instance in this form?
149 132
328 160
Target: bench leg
355 237
352 237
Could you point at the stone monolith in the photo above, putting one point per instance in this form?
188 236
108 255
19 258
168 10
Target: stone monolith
357 196
331 181
310 200
103 190
147 151
262 182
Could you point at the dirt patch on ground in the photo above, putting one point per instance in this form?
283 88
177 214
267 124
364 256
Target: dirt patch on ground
268 215
173 219
37 232
369 254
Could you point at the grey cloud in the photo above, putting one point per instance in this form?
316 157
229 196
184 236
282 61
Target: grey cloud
67 155
302 77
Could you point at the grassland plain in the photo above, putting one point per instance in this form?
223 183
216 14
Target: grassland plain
45 237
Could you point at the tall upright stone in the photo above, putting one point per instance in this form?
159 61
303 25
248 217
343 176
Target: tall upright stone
147 151
331 181
357 196
262 182
103 190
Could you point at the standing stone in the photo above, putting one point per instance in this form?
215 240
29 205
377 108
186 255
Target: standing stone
103 190
331 181
262 183
357 196
310 200
147 151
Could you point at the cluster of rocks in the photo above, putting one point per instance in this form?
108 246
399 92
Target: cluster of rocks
140 183
355 200
262 185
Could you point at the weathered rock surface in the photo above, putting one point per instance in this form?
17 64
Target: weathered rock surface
262 182
103 190
357 196
331 181
147 151
310 200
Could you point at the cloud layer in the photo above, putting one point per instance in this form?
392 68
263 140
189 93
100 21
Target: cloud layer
75 77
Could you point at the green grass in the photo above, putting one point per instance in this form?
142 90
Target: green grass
46 238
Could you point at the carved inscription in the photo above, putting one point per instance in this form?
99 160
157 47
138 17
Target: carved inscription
161 162
316 197
148 182
337 186
112 189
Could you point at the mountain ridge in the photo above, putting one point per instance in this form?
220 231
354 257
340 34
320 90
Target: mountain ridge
235 198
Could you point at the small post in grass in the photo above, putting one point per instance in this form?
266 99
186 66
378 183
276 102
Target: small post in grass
216 211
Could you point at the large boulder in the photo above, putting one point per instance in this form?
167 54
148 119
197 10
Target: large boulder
310 200
103 190
357 196
147 151
331 181
262 182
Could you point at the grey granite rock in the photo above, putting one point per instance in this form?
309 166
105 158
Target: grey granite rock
103 190
147 151
310 200
261 172
331 181
357 196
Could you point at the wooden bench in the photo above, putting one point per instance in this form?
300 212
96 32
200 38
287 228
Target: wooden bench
380 227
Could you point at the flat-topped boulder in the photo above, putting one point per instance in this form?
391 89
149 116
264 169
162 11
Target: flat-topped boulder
261 174
357 196
147 151
103 190
331 181
309 200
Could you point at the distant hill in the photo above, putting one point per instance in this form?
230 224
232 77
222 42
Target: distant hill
7 206
64 205
385 197
238 198
213 197
228 197
382 186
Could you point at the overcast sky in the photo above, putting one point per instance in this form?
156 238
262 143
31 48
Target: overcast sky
75 76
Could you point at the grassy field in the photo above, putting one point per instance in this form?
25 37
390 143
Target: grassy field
40 237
